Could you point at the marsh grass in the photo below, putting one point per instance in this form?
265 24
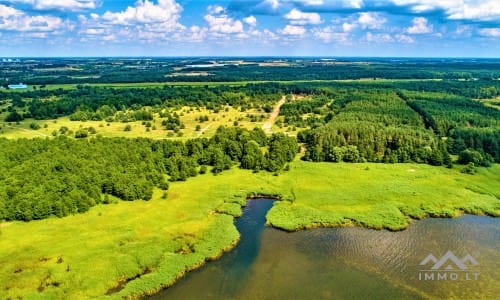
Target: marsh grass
128 249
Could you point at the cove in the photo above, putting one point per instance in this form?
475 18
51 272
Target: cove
346 263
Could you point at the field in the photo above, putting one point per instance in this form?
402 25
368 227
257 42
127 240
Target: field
133 248
188 116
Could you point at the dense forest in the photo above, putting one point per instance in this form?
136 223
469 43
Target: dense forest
56 177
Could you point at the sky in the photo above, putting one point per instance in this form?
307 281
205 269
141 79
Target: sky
379 28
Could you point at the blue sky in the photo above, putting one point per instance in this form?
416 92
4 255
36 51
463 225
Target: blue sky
430 28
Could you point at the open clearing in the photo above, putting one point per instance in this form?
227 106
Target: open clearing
189 117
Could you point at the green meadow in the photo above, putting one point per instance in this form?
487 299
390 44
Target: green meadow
129 249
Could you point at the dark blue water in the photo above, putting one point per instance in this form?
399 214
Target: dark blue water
345 263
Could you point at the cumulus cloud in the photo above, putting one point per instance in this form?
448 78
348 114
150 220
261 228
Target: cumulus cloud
371 20
223 24
482 10
403 38
250 20
63 5
297 17
146 21
274 4
354 3
144 12
349 26
215 9
365 20
420 26
293 30
311 2
379 37
330 35
491 32
16 20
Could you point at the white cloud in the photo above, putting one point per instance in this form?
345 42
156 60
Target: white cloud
403 38
273 3
223 24
354 3
311 2
251 20
329 35
420 26
17 20
293 30
215 9
492 32
166 12
486 10
146 22
365 20
63 5
349 26
378 38
296 17
483 10
197 34
371 20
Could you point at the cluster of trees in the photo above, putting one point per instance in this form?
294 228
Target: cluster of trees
98 103
361 142
444 112
375 126
41 177
468 125
485 141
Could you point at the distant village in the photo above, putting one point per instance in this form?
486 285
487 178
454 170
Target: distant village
19 86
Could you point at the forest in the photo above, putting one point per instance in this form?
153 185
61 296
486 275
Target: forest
42 178
436 122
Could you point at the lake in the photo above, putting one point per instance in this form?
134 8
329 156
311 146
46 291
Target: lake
351 263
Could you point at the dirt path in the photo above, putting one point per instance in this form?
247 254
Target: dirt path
32 131
274 114
202 131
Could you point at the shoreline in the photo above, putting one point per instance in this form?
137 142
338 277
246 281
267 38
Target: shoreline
276 197
195 224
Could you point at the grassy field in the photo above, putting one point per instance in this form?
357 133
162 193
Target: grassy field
187 115
132 248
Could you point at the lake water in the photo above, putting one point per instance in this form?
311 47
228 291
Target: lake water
350 263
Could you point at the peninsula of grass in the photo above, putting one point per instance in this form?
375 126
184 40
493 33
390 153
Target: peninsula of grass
130 249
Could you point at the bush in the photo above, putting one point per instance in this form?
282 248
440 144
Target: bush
81 134
127 128
14 117
470 168
164 185
34 126
203 169
477 158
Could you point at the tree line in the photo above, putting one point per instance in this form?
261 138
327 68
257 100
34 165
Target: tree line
40 178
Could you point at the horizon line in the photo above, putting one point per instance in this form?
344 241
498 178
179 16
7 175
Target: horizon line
255 56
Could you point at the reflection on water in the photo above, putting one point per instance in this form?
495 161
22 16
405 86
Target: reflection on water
345 263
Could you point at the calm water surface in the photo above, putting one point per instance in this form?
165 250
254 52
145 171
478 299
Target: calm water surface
348 263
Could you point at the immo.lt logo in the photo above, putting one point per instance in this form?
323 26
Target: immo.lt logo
448 267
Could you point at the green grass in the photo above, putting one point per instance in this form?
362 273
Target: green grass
134 248
188 117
